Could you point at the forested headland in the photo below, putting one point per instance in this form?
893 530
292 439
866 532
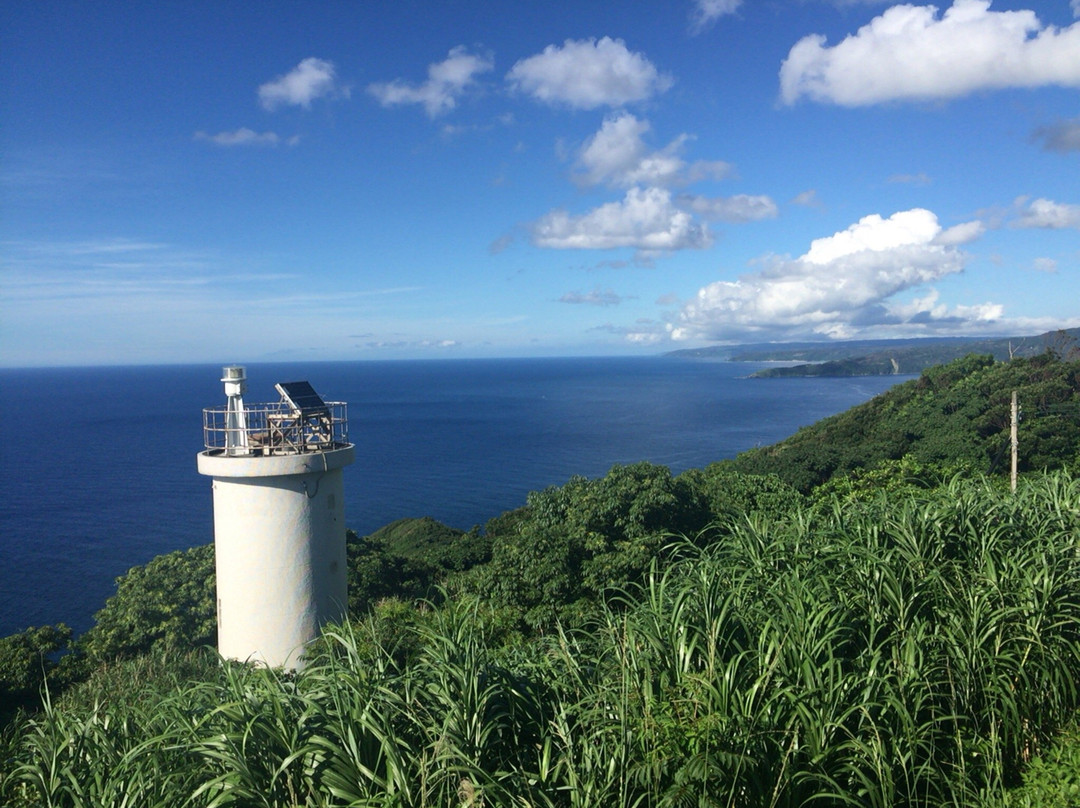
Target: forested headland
862 614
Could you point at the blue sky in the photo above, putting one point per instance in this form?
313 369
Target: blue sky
244 182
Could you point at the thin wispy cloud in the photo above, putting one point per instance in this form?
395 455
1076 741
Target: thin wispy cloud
597 297
736 209
406 344
240 137
706 12
807 199
1062 136
910 179
643 332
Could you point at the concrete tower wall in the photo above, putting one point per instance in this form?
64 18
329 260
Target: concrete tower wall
279 536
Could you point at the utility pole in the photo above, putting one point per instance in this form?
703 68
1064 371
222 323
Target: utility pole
1013 437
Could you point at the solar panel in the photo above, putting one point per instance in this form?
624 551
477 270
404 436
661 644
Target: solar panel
301 396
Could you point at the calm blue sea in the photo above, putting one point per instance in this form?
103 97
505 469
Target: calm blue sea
99 471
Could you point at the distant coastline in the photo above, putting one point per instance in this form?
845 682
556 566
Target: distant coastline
897 357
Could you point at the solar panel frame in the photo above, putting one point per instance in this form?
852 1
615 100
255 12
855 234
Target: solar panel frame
301 396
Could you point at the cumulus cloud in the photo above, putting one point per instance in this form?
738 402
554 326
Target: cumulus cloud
312 78
446 83
597 297
843 284
909 53
646 219
587 74
1063 136
1048 214
617 156
240 137
738 208
706 12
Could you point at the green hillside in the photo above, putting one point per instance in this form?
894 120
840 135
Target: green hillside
955 415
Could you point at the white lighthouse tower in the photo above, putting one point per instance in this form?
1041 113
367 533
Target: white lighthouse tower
279 518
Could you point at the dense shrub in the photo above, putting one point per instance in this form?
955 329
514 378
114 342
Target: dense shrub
169 602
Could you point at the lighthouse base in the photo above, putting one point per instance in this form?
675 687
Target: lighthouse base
279 542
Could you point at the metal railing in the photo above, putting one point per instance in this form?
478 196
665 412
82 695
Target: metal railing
274 429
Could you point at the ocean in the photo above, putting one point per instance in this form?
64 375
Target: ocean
98 464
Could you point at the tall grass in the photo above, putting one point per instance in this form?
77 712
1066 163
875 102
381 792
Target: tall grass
909 650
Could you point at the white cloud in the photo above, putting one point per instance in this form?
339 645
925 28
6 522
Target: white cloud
645 219
1047 265
960 234
586 74
874 234
807 199
1063 136
312 78
843 284
597 297
908 53
447 81
1049 214
618 157
240 137
642 332
738 208
643 337
706 12
926 310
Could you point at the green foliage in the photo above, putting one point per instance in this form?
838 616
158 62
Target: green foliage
374 573
888 477
730 494
26 657
408 559
26 660
575 542
1052 780
434 543
956 414
913 649
169 602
